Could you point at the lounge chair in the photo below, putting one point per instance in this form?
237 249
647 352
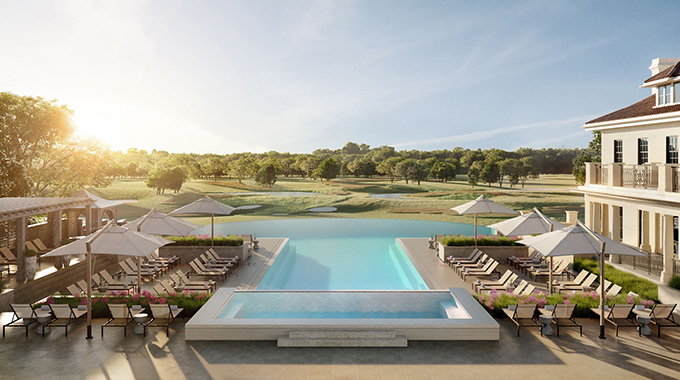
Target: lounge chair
577 281
606 284
74 290
204 286
158 288
155 269
661 315
171 261
133 272
210 283
490 270
613 291
82 284
8 255
528 290
116 285
488 286
39 244
560 269
584 286
471 257
563 316
29 245
618 315
481 261
200 270
64 315
520 287
162 316
121 316
501 281
523 315
214 256
24 316
516 261
210 264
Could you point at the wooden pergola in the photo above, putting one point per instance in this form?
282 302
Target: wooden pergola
19 209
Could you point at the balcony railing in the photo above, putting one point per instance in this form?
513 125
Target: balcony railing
641 176
659 177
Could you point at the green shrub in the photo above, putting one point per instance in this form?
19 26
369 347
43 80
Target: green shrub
3 284
674 282
30 253
465 241
189 301
494 302
628 281
204 240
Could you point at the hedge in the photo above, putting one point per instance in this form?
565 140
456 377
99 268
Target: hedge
189 301
482 240
627 281
204 240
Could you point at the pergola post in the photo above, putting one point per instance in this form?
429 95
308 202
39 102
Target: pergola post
88 220
21 248
54 220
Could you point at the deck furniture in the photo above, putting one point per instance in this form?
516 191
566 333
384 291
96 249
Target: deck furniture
202 271
584 286
180 274
661 315
162 316
121 316
24 316
523 315
619 315
471 257
563 316
490 270
64 315
200 286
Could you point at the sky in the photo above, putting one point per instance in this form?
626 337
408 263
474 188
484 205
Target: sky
294 76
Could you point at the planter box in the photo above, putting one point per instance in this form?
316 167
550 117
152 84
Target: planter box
499 253
188 253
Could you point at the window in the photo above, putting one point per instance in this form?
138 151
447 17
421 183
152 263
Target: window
620 223
618 151
675 237
672 149
640 228
664 95
643 151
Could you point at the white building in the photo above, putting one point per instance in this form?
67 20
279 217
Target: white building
633 196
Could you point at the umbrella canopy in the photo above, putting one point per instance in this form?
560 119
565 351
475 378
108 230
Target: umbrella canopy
110 240
482 205
580 240
158 223
206 205
527 224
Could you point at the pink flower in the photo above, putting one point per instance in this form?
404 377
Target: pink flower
135 297
114 293
105 299
566 302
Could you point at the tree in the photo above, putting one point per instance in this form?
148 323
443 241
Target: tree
443 171
309 165
214 167
327 169
592 154
388 167
351 148
39 152
490 173
473 175
164 177
243 167
266 176
409 169
511 167
131 169
527 170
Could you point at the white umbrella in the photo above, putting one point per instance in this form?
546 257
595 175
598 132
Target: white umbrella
482 205
110 240
157 223
581 240
532 223
206 205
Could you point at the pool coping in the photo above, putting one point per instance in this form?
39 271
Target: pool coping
481 326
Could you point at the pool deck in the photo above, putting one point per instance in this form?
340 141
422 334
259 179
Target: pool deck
155 356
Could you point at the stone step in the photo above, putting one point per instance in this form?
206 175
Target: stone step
341 334
398 341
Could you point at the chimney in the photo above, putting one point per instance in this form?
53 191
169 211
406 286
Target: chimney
661 64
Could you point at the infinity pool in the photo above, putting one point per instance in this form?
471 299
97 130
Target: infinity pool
343 254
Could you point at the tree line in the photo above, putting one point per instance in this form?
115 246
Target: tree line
39 156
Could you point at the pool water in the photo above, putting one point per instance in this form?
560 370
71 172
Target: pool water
341 305
342 254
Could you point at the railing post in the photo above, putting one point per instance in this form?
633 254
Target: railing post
591 173
616 174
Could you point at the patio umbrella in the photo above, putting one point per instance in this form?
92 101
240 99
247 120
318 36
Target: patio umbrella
482 205
206 205
110 240
581 240
532 223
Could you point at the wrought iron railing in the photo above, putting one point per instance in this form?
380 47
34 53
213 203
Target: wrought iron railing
641 176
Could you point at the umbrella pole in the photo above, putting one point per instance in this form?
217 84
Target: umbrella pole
89 291
602 336
475 230
212 230
550 276
139 274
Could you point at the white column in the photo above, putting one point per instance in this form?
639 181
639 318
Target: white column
596 224
88 220
614 230
644 245
667 272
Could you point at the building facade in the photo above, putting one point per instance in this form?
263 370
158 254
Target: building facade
633 195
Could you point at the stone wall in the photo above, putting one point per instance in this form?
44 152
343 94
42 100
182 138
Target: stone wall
499 253
189 253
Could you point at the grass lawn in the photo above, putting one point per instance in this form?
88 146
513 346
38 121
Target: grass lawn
351 197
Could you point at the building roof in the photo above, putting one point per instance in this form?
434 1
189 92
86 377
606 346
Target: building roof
645 107
669 72
13 208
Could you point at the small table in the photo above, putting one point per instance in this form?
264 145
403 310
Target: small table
141 319
430 244
546 320
644 321
43 320
255 244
